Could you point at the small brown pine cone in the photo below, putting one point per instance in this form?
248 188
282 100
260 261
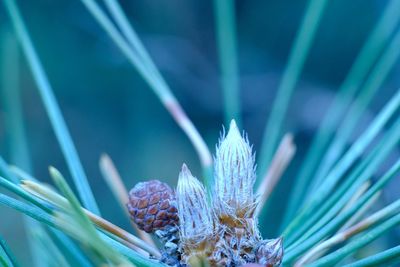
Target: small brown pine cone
152 206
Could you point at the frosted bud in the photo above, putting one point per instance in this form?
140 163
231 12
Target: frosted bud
270 252
195 218
234 174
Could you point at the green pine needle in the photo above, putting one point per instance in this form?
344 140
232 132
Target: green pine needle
384 258
371 87
6 256
359 175
356 244
335 223
297 58
226 39
82 222
369 53
52 108
347 161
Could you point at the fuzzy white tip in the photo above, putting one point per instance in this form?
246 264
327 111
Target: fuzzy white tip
195 217
234 172
270 252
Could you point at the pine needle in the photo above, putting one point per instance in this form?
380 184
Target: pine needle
294 66
281 160
52 109
115 183
134 52
48 194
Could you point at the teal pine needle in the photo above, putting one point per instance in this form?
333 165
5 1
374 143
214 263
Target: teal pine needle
322 204
53 110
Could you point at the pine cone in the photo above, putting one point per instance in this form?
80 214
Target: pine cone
152 206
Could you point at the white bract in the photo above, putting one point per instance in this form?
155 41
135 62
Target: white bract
226 234
195 217
234 167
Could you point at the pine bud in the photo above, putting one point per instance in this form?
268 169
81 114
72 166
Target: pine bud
270 252
196 224
152 206
234 174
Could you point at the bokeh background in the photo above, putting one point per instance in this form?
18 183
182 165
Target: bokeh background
109 108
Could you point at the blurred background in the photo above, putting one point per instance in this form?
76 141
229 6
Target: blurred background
109 108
